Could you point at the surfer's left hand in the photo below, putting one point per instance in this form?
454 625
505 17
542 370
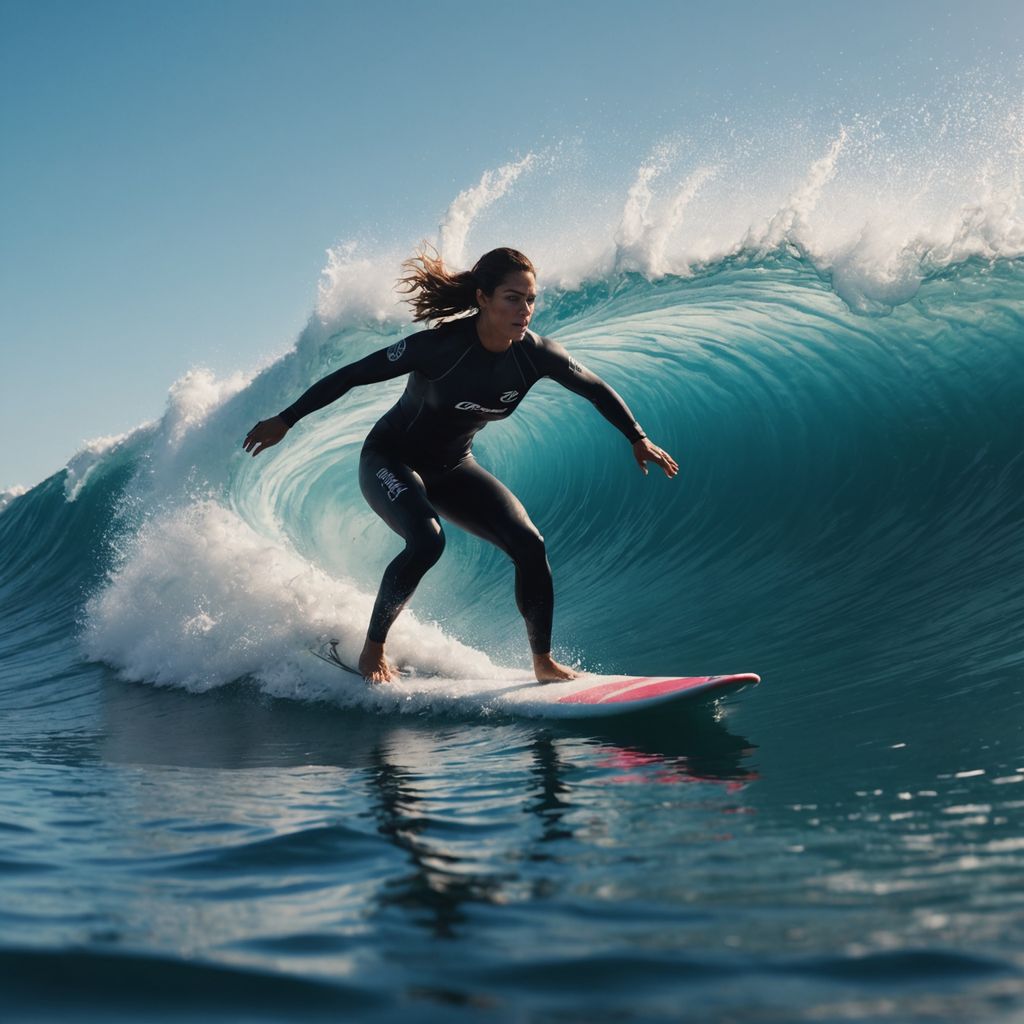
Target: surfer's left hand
264 434
644 451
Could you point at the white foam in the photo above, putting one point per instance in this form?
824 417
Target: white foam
190 402
470 203
876 204
659 262
789 222
192 398
356 285
88 459
635 226
201 599
359 284
8 494
648 222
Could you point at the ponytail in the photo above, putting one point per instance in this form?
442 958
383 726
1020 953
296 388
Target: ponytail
438 294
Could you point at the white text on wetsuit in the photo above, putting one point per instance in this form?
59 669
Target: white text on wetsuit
391 484
473 407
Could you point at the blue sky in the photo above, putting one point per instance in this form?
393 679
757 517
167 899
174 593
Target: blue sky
171 174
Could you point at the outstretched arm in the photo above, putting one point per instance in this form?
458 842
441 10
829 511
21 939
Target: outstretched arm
560 366
384 364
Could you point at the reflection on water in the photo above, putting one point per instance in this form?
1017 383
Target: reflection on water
553 796
438 881
692 746
448 796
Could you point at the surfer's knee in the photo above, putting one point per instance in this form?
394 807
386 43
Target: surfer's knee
426 542
526 546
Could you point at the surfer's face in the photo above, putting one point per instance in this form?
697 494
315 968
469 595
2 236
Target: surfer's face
509 309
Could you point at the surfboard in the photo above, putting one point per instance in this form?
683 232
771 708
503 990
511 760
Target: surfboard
589 695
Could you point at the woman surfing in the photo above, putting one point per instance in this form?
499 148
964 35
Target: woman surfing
417 463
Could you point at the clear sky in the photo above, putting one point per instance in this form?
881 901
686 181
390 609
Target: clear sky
171 173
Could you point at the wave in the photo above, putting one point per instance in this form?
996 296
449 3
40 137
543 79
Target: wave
842 390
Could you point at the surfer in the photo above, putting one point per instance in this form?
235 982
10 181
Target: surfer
417 463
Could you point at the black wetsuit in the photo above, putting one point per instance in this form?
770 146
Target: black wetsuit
417 461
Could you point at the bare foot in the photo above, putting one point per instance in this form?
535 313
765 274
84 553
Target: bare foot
548 670
373 665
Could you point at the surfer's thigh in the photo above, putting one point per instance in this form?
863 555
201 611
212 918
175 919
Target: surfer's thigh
395 491
478 502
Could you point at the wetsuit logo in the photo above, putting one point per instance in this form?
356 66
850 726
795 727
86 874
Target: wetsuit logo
510 396
574 366
390 483
396 351
473 407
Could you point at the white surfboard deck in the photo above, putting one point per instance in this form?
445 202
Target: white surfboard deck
587 696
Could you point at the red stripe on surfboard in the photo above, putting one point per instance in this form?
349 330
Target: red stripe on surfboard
595 693
659 688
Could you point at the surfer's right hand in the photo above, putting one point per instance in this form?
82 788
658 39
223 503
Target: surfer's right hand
265 434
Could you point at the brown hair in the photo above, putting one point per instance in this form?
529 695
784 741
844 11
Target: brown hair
438 294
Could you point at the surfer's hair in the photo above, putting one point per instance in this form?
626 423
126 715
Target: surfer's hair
435 293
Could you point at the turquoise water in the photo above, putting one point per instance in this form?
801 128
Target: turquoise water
199 820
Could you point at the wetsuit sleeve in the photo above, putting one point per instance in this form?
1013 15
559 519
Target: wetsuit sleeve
385 364
556 363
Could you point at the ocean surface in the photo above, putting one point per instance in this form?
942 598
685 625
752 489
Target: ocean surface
199 820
